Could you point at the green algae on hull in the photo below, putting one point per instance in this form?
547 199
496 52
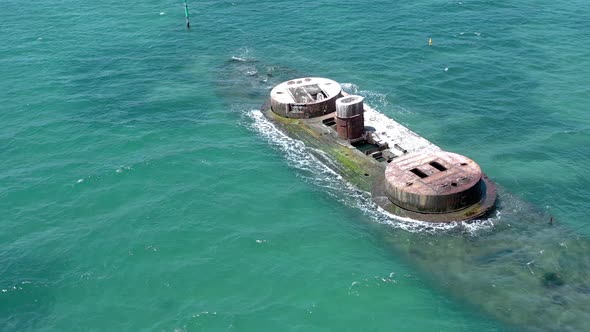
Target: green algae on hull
352 164
364 172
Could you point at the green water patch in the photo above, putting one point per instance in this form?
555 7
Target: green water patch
29 284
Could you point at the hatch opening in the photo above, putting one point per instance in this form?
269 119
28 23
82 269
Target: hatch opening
419 173
329 122
438 166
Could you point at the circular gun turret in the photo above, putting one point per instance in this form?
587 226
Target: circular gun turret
305 98
436 182
437 186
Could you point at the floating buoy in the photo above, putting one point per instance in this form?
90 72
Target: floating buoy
429 41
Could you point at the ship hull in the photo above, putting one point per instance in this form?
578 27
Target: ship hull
526 271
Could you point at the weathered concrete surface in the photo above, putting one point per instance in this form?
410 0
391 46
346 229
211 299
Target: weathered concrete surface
304 98
349 106
359 142
434 182
390 131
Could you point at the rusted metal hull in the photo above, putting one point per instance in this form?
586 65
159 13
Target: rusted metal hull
368 173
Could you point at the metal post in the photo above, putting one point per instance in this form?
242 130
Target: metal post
188 22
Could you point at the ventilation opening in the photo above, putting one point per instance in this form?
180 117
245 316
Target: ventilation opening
438 166
329 122
419 173
366 147
378 156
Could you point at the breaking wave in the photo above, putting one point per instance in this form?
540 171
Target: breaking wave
299 156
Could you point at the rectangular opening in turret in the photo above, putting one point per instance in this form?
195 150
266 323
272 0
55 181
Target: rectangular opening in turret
419 173
308 94
438 166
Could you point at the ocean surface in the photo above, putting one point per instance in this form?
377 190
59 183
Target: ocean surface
141 191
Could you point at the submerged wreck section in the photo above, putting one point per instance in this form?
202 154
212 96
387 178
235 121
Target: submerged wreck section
406 174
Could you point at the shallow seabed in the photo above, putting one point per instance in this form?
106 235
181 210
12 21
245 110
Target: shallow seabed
140 189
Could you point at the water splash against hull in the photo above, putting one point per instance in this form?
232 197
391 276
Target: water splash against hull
307 160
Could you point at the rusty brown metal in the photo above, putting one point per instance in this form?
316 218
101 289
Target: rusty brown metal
436 182
350 121
350 128
411 179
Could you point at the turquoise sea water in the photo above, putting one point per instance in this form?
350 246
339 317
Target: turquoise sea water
138 191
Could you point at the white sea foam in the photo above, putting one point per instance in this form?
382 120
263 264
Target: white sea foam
313 170
378 101
244 54
239 59
375 99
123 168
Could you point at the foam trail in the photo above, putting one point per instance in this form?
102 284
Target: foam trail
238 59
313 170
